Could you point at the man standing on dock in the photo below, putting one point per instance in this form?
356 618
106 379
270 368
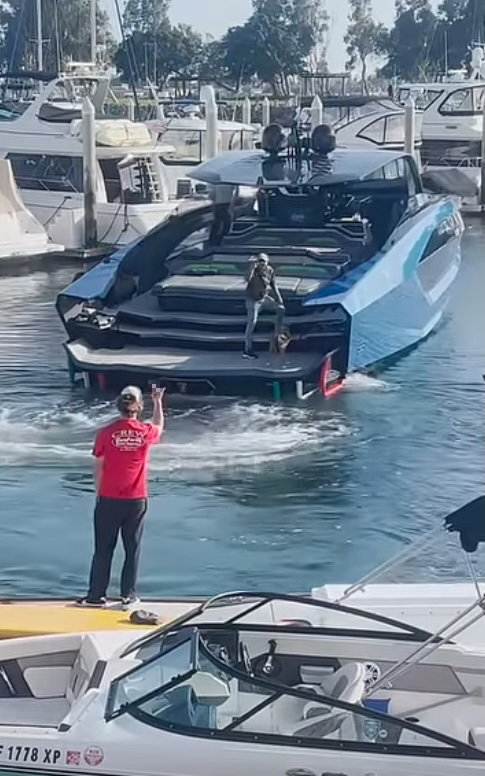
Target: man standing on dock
261 291
121 453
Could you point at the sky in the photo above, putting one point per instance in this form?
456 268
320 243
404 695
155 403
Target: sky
215 16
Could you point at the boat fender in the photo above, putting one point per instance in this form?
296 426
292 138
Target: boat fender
143 617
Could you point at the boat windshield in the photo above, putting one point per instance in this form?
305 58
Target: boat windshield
464 102
263 609
423 96
203 687
190 144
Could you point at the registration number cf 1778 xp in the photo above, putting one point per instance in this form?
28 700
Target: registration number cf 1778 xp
30 754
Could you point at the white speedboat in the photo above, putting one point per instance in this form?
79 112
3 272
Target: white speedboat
255 682
44 147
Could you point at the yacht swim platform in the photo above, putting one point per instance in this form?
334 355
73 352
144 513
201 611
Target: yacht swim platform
184 364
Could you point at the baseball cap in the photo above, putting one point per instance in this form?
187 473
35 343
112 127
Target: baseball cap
262 257
132 392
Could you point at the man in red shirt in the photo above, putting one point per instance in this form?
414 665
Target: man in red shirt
121 453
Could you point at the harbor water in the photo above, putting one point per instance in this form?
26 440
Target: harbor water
244 495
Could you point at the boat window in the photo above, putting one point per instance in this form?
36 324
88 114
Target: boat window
188 144
237 141
111 176
216 699
423 98
317 720
377 175
42 172
158 671
463 102
395 129
197 701
391 171
374 131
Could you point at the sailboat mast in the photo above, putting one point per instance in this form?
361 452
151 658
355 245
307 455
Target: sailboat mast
446 52
93 30
40 58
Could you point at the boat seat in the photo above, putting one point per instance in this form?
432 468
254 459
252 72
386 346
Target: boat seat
347 684
83 669
33 712
298 716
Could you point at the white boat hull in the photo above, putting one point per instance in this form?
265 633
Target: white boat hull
426 606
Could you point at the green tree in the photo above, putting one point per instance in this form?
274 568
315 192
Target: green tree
275 43
364 37
413 46
170 50
462 23
145 16
65 32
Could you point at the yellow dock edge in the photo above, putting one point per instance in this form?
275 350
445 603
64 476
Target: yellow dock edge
50 617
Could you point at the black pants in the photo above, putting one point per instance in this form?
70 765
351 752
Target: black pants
110 517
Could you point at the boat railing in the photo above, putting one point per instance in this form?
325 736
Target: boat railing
417 547
445 635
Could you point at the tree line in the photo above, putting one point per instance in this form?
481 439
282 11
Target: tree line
280 40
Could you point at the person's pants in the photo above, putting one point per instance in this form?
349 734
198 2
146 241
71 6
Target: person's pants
110 517
253 309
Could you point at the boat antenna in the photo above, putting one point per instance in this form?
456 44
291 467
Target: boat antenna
132 66
18 29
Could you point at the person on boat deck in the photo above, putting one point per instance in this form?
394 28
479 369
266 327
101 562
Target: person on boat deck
121 453
261 291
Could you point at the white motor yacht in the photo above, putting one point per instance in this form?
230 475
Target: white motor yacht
365 122
44 147
452 125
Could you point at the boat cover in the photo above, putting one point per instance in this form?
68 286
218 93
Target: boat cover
469 521
117 133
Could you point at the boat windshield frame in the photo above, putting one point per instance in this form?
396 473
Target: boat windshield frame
403 630
450 747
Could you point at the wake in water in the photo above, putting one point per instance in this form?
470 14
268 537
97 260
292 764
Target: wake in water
196 439
360 383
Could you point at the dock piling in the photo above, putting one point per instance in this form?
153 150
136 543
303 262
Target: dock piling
246 111
90 174
316 112
482 168
211 120
266 112
410 126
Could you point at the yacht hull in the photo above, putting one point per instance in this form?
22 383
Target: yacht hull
370 316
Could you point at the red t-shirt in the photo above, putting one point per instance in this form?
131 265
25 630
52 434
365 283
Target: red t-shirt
124 446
